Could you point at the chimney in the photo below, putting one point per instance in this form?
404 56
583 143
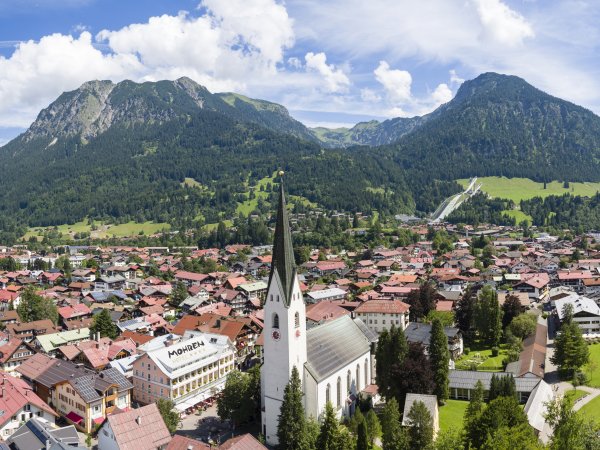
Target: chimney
138 420
2 392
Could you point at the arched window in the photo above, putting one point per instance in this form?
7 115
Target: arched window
349 381
339 392
278 298
275 320
271 297
366 372
358 378
328 393
297 320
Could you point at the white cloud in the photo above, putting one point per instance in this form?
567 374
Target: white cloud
335 79
455 80
369 95
442 94
294 62
228 46
503 24
397 83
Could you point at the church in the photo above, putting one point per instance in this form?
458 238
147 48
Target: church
335 360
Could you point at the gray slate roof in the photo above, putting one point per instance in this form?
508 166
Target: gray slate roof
421 332
92 387
466 379
35 433
430 402
333 345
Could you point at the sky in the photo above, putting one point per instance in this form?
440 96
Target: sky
330 62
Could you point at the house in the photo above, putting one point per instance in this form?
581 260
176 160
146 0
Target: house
574 279
421 333
28 331
430 402
139 429
190 278
536 285
186 369
106 283
325 295
39 434
586 313
49 343
523 297
13 352
532 359
19 403
379 315
318 313
81 396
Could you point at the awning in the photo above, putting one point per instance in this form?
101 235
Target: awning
74 417
98 420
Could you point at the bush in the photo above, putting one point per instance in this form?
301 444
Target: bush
495 351
579 379
544 315
466 350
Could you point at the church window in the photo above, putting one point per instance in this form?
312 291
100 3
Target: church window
349 381
328 393
275 320
339 392
297 320
366 372
358 378
271 297
278 298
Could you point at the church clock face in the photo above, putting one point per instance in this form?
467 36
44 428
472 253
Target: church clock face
276 335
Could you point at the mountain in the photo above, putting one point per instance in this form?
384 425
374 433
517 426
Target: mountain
501 125
370 133
97 105
173 152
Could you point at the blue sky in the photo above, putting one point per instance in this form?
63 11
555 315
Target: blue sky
332 63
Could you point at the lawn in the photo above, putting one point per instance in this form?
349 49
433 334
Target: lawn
102 231
452 413
592 369
482 355
575 394
519 215
592 409
517 189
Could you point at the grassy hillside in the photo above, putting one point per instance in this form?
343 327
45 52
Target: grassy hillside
517 189
101 230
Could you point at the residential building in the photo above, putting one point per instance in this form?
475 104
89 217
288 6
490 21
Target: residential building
39 434
49 343
462 384
28 331
586 313
379 315
18 404
13 352
139 429
421 333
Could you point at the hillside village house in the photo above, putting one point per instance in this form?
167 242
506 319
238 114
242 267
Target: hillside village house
186 370
13 352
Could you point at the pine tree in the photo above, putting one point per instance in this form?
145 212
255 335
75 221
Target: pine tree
291 429
474 410
494 388
393 436
329 432
373 426
103 324
511 309
362 442
392 348
421 426
465 309
571 352
488 316
439 356
179 294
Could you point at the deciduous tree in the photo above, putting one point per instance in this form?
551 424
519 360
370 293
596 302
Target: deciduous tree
35 307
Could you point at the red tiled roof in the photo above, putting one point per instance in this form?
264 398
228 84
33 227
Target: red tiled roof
324 310
15 394
185 443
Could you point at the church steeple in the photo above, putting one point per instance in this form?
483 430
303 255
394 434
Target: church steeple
282 262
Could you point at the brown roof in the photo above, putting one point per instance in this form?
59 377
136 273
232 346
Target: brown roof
243 442
383 307
138 338
185 443
44 325
324 310
139 429
533 356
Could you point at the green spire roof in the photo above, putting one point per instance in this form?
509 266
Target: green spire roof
283 252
